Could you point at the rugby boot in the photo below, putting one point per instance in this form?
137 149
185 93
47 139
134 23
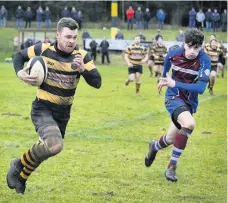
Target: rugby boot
13 173
20 187
149 159
170 174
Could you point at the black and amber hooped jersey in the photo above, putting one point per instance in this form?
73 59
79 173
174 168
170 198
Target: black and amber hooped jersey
213 53
62 79
136 54
159 51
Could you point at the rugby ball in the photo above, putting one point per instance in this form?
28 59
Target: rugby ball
37 66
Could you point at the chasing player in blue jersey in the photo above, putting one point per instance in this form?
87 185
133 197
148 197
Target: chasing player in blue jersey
190 74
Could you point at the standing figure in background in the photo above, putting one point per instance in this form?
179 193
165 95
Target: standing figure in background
192 18
28 17
3 16
93 46
104 51
19 16
130 16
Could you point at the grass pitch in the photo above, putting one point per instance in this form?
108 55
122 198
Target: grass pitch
106 142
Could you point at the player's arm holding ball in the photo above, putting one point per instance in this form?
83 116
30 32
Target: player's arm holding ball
23 56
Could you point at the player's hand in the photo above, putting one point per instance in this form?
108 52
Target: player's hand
78 63
129 65
156 57
161 84
167 81
24 76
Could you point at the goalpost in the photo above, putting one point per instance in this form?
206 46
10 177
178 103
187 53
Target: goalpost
35 35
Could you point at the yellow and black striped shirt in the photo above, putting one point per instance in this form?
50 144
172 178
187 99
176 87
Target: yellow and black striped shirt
213 53
61 83
159 51
136 54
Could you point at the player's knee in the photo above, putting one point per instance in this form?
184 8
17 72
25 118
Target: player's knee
131 77
213 74
56 148
52 137
189 125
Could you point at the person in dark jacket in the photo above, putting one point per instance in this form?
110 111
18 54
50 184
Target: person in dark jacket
85 35
39 17
47 15
3 15
19 17
119 35
65 12
208 19
147 18
215 20
192 18
93 46
79 19
73 13
224 20
28 17
104 50
139 18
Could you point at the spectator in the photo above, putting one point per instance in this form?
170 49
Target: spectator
79 19
104 50
119 35
19 17
28 17
93 46
200 17
180 36
73 13
160 18
39 17
224 21
208 18
3 15
142 37
28 43
65 12
130 16
147 18
47 15
192 18
158 35
85 35
139 18
215 20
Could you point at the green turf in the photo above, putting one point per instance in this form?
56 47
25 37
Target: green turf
106 141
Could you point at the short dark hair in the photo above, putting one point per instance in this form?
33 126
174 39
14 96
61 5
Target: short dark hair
67 22
193 37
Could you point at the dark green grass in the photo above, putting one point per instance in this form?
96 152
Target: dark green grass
106 141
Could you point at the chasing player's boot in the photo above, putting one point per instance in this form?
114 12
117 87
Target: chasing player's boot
170 174
13 173
12 176
149 159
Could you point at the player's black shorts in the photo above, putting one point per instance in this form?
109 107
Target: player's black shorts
214 68
222 60
42 115
161 64
134 69
151 58
177 112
